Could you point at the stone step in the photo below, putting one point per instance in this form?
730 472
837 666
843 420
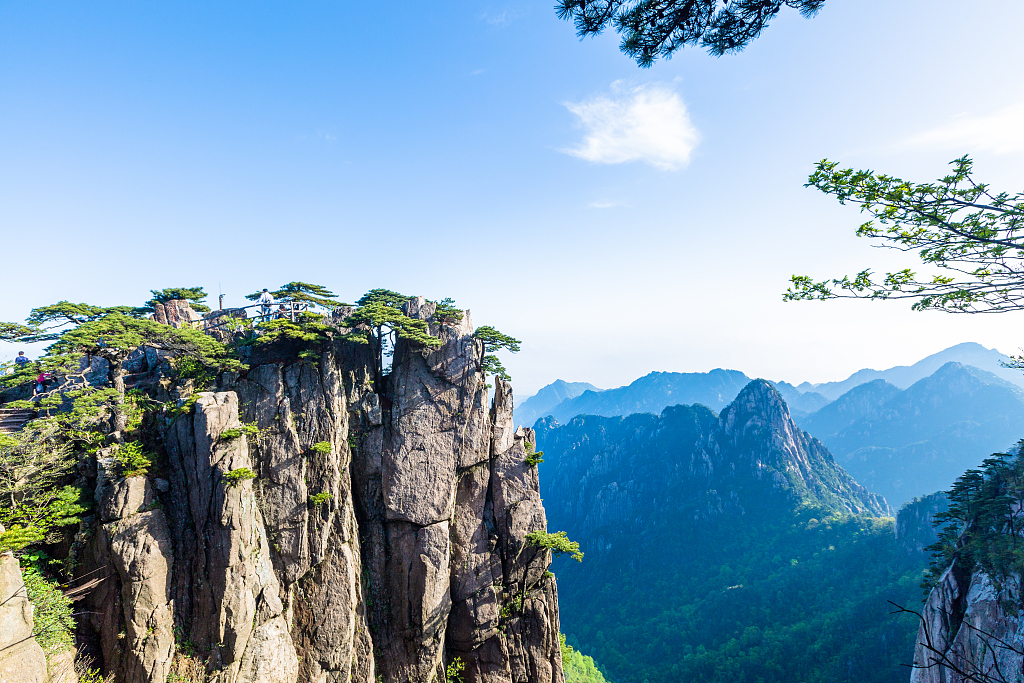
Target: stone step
14 419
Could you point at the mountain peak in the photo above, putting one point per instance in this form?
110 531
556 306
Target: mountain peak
548 397
759 397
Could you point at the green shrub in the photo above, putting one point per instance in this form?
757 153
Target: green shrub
578 667
17 537
188 367
22 404
235 477
134 462
320 499
533 458
557 542
54 625
321 447
254 433
251 431
453 674
512 607
185 408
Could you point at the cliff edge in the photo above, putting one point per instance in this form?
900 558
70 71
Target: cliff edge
321 523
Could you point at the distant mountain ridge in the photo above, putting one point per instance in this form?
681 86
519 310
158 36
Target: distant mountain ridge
903 376
715 389
547 398
910 443
752 449
655 391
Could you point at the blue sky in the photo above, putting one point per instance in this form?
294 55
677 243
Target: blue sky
617 220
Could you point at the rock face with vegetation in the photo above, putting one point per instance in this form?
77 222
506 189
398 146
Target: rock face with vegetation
970 626
21 657
307 517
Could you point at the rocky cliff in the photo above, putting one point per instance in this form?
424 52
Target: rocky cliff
970 630
313 522
21 658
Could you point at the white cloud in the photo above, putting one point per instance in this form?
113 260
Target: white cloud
644 123
604 204
1001 132
503 19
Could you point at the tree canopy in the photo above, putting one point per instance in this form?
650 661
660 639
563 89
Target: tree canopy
495 341
111 333
195 296
651 29
955 224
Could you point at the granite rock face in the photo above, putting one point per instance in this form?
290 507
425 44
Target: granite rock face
965 625
21 658
176 313
316 522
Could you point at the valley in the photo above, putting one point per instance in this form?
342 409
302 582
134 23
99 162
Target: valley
725 548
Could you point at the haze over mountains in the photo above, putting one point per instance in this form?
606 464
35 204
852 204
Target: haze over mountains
909 443
903 376
548 397
903 432
717 388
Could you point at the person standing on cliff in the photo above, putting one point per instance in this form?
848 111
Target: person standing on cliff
266 300
22 359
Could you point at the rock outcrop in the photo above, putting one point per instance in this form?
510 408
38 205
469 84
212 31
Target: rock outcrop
970 630
915 530
325 524
21 658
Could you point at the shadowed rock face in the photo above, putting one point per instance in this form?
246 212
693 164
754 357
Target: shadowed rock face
411 555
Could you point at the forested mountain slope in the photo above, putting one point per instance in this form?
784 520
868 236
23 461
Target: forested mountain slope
910 443
724 548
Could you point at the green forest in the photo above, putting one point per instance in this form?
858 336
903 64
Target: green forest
578 667
800 600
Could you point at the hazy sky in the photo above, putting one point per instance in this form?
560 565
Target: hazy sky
617 220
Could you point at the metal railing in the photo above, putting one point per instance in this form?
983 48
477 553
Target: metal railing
264 313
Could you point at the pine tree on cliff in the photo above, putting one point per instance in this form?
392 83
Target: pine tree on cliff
110 333
380 322
657 28
495 341
301 293
36 461
195 296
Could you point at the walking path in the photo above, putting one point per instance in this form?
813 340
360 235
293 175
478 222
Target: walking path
14 419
